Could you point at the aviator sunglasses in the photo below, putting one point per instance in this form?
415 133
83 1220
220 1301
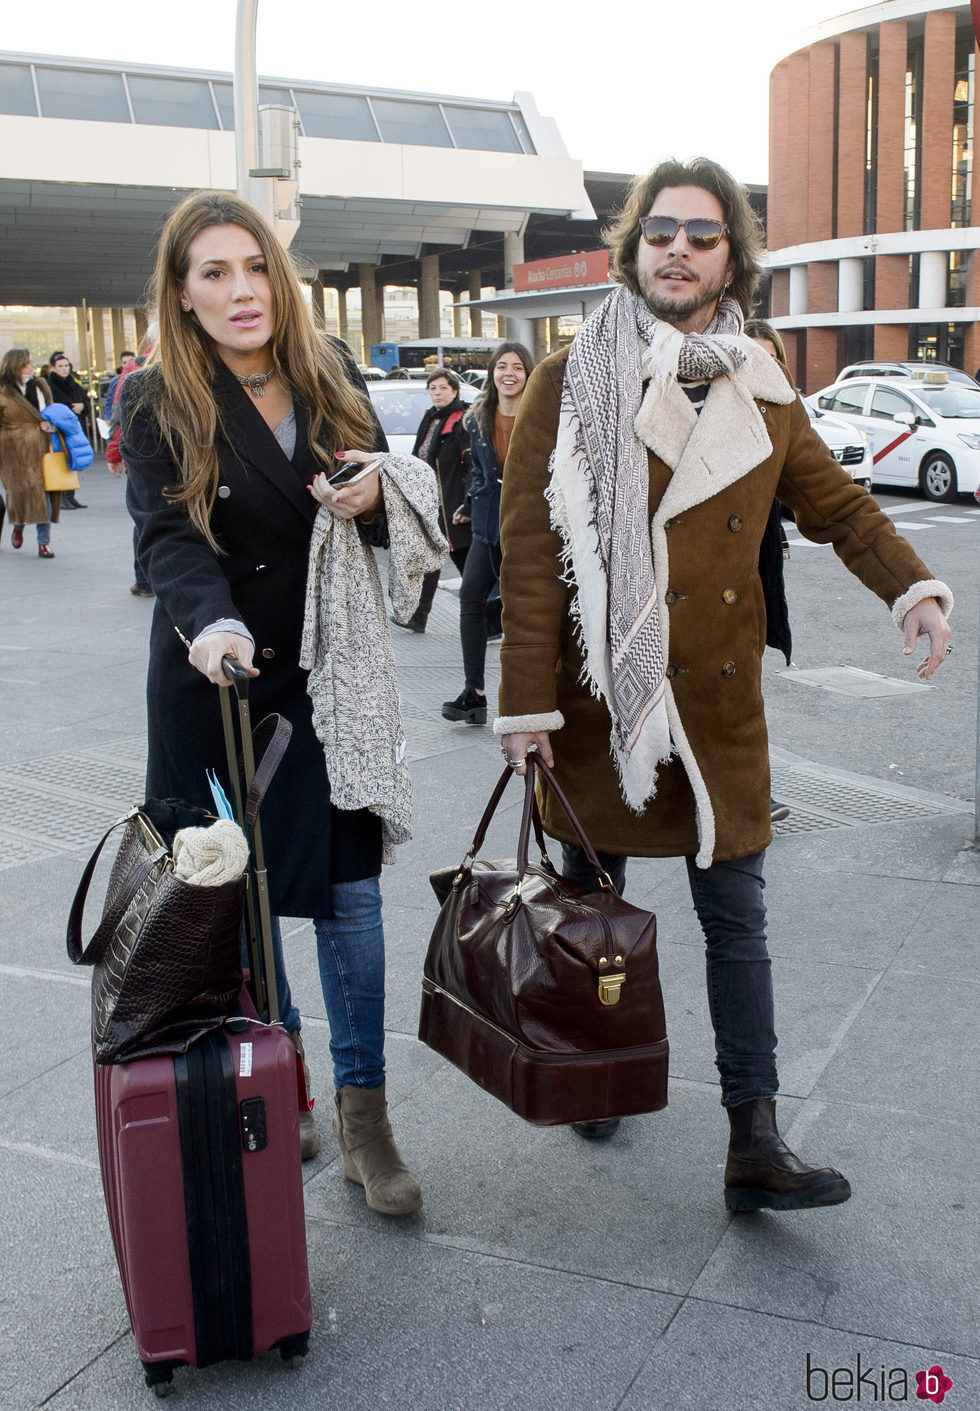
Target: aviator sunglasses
701 234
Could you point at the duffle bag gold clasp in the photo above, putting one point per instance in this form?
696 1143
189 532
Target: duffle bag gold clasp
610 985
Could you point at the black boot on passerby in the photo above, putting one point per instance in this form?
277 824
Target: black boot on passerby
469 705
416 623
70 499
763 1174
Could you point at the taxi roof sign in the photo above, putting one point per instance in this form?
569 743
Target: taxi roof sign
934 376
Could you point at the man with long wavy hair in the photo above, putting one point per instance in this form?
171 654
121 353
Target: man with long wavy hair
640 476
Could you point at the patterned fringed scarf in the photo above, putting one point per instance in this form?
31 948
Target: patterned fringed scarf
599 504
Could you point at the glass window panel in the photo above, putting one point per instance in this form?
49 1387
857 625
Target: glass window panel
885 403
482 131
225 96
82 93
336 115
276 95
849 398
171 102
17 91
527 146
416 124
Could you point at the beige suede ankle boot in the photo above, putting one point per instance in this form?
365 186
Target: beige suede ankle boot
371 1158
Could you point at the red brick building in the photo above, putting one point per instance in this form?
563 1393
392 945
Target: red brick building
874 202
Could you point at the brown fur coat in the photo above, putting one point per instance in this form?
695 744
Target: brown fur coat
23 443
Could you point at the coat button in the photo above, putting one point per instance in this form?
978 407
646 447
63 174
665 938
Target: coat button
728 669
735 523
269 653
670 597
671 671
668 525
730 596
224 492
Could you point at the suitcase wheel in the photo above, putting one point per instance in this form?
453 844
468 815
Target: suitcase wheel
159 1376
163 1388
292 1350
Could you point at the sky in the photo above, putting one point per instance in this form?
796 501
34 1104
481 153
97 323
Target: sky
652 81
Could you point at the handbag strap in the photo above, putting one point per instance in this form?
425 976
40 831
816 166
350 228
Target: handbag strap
530 817
89 955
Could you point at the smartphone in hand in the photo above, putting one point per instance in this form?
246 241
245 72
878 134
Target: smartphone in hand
351 472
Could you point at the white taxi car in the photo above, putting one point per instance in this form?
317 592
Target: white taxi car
922 432
848 446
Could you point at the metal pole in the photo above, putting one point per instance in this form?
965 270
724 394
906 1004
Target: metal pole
976 786
246 97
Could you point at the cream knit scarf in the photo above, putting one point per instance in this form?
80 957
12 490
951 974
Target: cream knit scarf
599 504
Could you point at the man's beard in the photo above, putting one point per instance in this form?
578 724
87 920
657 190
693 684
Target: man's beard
675 311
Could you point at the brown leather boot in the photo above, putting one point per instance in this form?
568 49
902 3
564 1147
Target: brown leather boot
371 1158
763 1174
309 1137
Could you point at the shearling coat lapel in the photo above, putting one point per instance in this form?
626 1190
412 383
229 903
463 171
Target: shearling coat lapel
707 453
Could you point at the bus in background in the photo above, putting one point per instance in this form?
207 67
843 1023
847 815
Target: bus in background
416 354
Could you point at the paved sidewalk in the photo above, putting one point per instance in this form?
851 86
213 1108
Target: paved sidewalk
544 1273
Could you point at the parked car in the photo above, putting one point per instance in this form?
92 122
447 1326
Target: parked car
401 405
846 443
922 433
911 368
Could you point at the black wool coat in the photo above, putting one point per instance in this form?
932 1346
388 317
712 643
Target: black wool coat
262 518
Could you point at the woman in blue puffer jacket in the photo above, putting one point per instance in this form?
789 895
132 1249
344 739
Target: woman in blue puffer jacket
489 422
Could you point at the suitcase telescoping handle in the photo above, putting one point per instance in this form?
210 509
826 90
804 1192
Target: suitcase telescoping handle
258 915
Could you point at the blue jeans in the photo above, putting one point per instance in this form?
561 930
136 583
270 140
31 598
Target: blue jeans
44 528
728 899
351 953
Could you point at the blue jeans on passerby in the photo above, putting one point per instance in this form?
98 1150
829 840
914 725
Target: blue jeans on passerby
43 530
728 899
351 954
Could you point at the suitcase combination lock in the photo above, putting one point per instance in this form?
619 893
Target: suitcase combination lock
254 1137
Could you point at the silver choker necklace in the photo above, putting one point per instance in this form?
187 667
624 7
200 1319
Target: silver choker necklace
255 382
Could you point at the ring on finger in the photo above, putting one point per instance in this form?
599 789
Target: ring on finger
516 763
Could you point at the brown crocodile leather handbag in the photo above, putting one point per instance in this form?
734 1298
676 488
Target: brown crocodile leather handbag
167 954
545 994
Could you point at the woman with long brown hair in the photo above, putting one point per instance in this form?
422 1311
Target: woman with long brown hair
23 442
489 423
227 434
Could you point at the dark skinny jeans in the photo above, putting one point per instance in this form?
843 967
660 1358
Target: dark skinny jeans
728 900
479 580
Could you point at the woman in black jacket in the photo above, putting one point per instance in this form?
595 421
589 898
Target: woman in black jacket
443 442
227 433
66 388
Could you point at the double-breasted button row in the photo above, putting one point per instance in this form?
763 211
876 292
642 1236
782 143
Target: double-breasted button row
728 669
672 596
734 522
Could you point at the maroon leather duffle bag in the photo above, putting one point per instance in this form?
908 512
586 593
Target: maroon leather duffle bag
545 994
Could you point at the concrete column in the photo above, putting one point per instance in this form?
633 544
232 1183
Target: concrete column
820 129
518 330
342 315
81 333
457 316
429 298
797 289
933 269
370 322
554 335
892 59
316 302
938 72
118 335
475 290
540 334
852 108
850 286
98 339
142 323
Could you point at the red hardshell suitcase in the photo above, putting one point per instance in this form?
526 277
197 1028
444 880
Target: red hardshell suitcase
200 1159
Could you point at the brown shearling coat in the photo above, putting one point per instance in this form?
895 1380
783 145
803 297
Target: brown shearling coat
23 443
712 482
